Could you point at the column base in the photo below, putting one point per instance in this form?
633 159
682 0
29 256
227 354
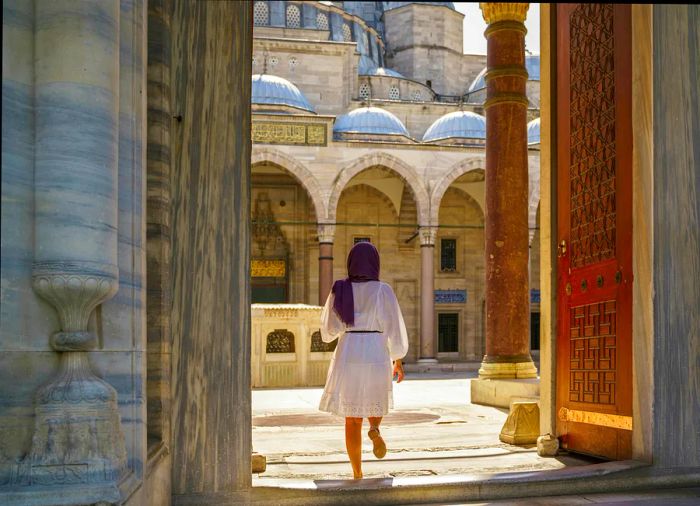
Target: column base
508 370
426 361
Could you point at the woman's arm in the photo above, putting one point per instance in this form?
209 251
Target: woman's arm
394 326
331 325
398 370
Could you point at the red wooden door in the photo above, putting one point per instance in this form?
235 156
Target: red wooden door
594 200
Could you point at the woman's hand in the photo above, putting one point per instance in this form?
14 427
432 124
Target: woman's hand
398 371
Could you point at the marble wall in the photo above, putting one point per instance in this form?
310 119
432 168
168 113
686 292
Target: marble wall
676 221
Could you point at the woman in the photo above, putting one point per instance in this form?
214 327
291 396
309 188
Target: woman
364 313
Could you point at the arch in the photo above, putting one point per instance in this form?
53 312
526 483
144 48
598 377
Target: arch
457 170
407 173
299 171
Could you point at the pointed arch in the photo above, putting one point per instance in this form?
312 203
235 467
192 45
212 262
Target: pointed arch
399 167
457 170
307 180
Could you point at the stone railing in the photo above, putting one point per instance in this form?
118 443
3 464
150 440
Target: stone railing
287 350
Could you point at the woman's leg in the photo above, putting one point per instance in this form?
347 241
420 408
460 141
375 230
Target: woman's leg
353 443
378 444
374 422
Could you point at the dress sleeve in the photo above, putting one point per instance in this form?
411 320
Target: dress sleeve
331 325
393 324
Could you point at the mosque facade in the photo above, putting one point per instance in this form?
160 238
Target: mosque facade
368 125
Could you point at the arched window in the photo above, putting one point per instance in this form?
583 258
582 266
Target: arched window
261 14
417 96
394 93
321 21
364 91
347 33
293 62
293 17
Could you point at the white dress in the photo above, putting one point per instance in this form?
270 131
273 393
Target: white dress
359 382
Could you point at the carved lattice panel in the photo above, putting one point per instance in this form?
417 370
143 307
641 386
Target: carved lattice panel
317 344
592 106
593 348
280 341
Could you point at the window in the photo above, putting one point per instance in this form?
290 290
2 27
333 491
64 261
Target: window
293 17
321 21
364 91
448 255
417 96
394 93
347 33
448 332
534 331
274 61
293 62
261 14
361 239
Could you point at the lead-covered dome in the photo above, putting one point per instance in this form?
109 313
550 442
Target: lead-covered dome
532 64
269 90
457 125
533 131
369 120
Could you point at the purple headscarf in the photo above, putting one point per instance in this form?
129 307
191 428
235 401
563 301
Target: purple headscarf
363 266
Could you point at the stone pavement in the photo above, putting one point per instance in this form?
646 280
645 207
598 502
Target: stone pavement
433 430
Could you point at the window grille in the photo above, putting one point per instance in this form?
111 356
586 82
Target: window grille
394 93
293 17
347 33
448 332
448 255
417 96
261 14
361 239
273 61
293 62
364 91
321 21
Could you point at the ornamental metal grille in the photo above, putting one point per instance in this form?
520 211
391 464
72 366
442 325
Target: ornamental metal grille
364 91
448 332
592 106
317 344
293 62
347 33
448 255
394 93
280 341
321 21
293 17
261 14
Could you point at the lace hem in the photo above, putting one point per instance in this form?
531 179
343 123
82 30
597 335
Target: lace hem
333 404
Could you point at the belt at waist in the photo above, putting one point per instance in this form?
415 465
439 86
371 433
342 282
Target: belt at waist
363 331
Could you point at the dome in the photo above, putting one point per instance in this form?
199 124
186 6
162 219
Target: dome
273 90
533 131
382 71
369 120
532 64
460 124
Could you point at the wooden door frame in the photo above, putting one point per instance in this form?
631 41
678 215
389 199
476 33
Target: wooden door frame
642 237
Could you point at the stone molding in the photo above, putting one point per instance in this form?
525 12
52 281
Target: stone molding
307 180
326 233
427 236
494 12
404 170
505 370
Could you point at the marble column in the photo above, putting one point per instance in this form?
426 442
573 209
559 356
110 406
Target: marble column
326 233
78 442
506 188
428 348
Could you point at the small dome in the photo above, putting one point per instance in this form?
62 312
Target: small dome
273 90
532 64
458 124
533 131
382 71
369 120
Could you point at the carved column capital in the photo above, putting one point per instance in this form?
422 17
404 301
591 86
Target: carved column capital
326 232
74 289
494 12
427 235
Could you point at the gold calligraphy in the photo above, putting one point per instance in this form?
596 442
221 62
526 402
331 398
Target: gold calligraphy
267 268
268 132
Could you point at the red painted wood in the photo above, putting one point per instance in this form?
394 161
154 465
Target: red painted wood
594 217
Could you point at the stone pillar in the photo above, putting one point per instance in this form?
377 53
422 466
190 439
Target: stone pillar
77 430
428 349
326 233
506 188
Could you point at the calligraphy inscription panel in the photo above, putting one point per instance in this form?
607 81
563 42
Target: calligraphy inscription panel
305 134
